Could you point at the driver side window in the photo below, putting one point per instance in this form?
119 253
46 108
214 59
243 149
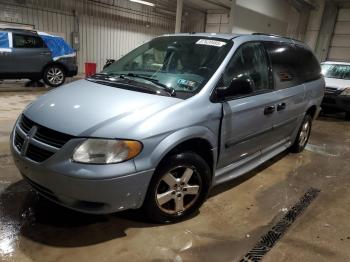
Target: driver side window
250 64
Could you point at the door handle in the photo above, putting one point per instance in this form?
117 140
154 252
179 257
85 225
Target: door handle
269 110
281 106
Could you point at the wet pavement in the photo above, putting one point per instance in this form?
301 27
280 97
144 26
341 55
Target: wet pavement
228 225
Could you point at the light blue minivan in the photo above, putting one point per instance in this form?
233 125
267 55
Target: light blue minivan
160 127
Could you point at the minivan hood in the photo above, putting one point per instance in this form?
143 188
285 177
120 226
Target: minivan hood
84 108
340 84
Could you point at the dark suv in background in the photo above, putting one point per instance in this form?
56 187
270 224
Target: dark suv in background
24 54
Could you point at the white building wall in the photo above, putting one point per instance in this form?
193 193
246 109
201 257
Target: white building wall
264 16
104 31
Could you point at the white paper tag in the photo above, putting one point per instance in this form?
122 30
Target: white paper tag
210 42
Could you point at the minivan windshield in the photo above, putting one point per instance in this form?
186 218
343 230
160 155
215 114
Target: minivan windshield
184 64
336 71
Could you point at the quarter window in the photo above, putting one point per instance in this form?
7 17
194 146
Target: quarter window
27 41
292 65
285 64
310 68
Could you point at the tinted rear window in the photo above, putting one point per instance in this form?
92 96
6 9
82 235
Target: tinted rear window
292 65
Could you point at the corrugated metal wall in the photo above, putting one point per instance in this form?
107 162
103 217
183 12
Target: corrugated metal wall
107 29
340 45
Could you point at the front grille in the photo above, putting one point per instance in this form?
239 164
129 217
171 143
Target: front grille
44 134
51 137
38 154
332 90
51 140
26 124
18 141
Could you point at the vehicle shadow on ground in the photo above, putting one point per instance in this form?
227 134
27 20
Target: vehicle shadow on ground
40 220
332 117
241 179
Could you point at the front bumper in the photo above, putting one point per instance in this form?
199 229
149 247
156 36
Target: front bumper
336 102
97 189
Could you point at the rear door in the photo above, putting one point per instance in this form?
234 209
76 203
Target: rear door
247 119
30 53
291 69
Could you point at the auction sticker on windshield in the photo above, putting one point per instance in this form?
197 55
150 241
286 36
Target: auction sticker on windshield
210 42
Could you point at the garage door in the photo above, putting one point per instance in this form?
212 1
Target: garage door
340 45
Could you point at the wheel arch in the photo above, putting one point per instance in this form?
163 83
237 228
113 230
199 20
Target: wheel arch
312 110
65 69
199 140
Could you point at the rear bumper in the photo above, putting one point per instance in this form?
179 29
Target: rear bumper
339 103
66 185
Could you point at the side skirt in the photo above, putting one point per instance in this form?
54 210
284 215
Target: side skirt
249 163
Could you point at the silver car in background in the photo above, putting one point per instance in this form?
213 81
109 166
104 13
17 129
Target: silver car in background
168 121
337 92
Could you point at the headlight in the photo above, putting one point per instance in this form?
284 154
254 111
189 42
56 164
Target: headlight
346 92
105 151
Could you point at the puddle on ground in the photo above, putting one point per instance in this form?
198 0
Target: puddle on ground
322 150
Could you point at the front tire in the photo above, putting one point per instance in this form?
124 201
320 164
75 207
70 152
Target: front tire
54 75
303 135
178 188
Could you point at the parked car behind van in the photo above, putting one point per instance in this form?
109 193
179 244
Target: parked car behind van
160 127
35 55
337 95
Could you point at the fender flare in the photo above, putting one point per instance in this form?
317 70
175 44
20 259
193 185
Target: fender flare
180 136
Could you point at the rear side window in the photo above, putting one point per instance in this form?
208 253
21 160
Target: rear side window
27 41
292 65
285 64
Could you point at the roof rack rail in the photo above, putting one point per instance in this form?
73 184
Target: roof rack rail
18 29
286 37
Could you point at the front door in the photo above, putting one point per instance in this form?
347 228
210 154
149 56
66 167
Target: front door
247 117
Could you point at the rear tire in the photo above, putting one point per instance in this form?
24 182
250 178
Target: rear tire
54 75
178 188
303 135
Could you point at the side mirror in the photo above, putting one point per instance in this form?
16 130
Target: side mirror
239 86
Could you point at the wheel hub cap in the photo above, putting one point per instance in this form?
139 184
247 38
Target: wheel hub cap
178 190
304 134
55 76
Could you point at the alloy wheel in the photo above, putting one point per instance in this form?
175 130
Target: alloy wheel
178 190
304 134
55 75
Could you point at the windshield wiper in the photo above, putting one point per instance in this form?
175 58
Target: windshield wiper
170 90
101 75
